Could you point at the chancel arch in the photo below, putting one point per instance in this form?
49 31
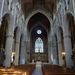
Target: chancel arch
36 20
36 23
48 15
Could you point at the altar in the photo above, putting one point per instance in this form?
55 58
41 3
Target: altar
39 57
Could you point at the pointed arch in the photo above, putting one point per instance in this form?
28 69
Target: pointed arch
38 11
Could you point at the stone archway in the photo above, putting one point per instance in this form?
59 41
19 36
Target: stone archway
39 11
34 24
46 14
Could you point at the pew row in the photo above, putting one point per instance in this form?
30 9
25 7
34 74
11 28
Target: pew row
56 70
26 69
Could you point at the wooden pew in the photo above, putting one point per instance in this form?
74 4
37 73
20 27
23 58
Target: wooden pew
26 69
29 67
56 70
9 71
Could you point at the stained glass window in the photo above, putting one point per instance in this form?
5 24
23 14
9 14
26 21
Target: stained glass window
39 46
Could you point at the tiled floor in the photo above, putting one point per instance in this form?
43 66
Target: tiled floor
38 70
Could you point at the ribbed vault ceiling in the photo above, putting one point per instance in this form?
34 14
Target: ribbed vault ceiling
28 5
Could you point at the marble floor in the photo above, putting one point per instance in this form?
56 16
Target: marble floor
38 70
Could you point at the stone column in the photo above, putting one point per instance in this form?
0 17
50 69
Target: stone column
25 54
49 56
27 51
68 50
60 48
61 62
9 42
22 55
17 46
54 50
49 52
68 44
55 55
16 52
8 50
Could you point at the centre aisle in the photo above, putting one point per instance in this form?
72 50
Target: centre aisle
38 69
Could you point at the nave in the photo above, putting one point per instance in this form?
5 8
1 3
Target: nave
38 70
39 31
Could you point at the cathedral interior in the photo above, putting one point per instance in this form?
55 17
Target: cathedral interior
37 32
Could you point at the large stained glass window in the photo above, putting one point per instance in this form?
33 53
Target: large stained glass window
39 45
